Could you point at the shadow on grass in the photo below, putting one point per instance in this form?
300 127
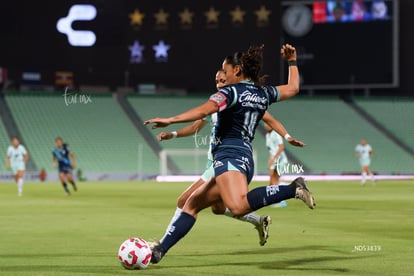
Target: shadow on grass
291 264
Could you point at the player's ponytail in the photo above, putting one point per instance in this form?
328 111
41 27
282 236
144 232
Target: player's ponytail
251 64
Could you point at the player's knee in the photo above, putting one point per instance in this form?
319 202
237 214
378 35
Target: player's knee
181 201
238 210
217 210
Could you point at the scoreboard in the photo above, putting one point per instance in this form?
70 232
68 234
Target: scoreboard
344 44
122 42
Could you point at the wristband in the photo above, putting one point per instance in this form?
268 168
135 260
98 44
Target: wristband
174 134
287 136
292 63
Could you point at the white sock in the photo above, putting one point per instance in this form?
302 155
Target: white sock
20 186
173 219
253 218
364 177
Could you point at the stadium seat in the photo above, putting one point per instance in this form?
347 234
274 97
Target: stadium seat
99 133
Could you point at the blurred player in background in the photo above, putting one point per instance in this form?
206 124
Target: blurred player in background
16 159
277 159
364 152
64 159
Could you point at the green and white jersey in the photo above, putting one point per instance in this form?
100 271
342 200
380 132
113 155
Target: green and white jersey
273 140
213 122
363 151
16 155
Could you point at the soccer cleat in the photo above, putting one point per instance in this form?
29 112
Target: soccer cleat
263 229
157 254
303 193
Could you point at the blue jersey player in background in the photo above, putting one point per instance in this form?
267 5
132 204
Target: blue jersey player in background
64 159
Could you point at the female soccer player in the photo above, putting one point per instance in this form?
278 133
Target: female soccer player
240 107
277 156
65 162
16 160
364 153
261 223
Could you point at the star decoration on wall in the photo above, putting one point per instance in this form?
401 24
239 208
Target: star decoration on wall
212 15
136 52
161 17
263 14
186 16
161 51
136 18
237 15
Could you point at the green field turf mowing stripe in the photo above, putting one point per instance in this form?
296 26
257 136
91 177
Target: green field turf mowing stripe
354 230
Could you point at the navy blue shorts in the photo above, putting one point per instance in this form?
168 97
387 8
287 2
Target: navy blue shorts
65 169
234 160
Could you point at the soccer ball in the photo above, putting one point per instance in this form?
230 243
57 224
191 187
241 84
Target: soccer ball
134 253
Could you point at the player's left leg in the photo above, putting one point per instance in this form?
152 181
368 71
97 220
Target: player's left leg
69 177
261 223
62 175
20 182
275 175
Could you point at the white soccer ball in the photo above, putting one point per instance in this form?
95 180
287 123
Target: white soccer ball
134 253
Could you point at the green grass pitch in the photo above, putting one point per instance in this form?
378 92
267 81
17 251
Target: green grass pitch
354 230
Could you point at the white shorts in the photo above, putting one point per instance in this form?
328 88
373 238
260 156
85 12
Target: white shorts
281 163
17 167
208 173
364 161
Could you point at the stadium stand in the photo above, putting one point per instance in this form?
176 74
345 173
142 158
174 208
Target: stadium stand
393 114
331 131
150 106
5 142
99 132
105 140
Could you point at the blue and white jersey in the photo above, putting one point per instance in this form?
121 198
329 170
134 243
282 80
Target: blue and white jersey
62 155
241 107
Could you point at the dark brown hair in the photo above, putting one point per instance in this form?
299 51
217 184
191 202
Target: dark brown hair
250 62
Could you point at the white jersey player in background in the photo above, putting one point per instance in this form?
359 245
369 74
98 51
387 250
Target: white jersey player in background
16 159
277 159
364 152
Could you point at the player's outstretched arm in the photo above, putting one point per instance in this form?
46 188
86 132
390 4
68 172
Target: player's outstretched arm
281 130
183 132
196 113
288 52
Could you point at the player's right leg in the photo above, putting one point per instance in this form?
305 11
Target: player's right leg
201 198
62 175
180 203
69 177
